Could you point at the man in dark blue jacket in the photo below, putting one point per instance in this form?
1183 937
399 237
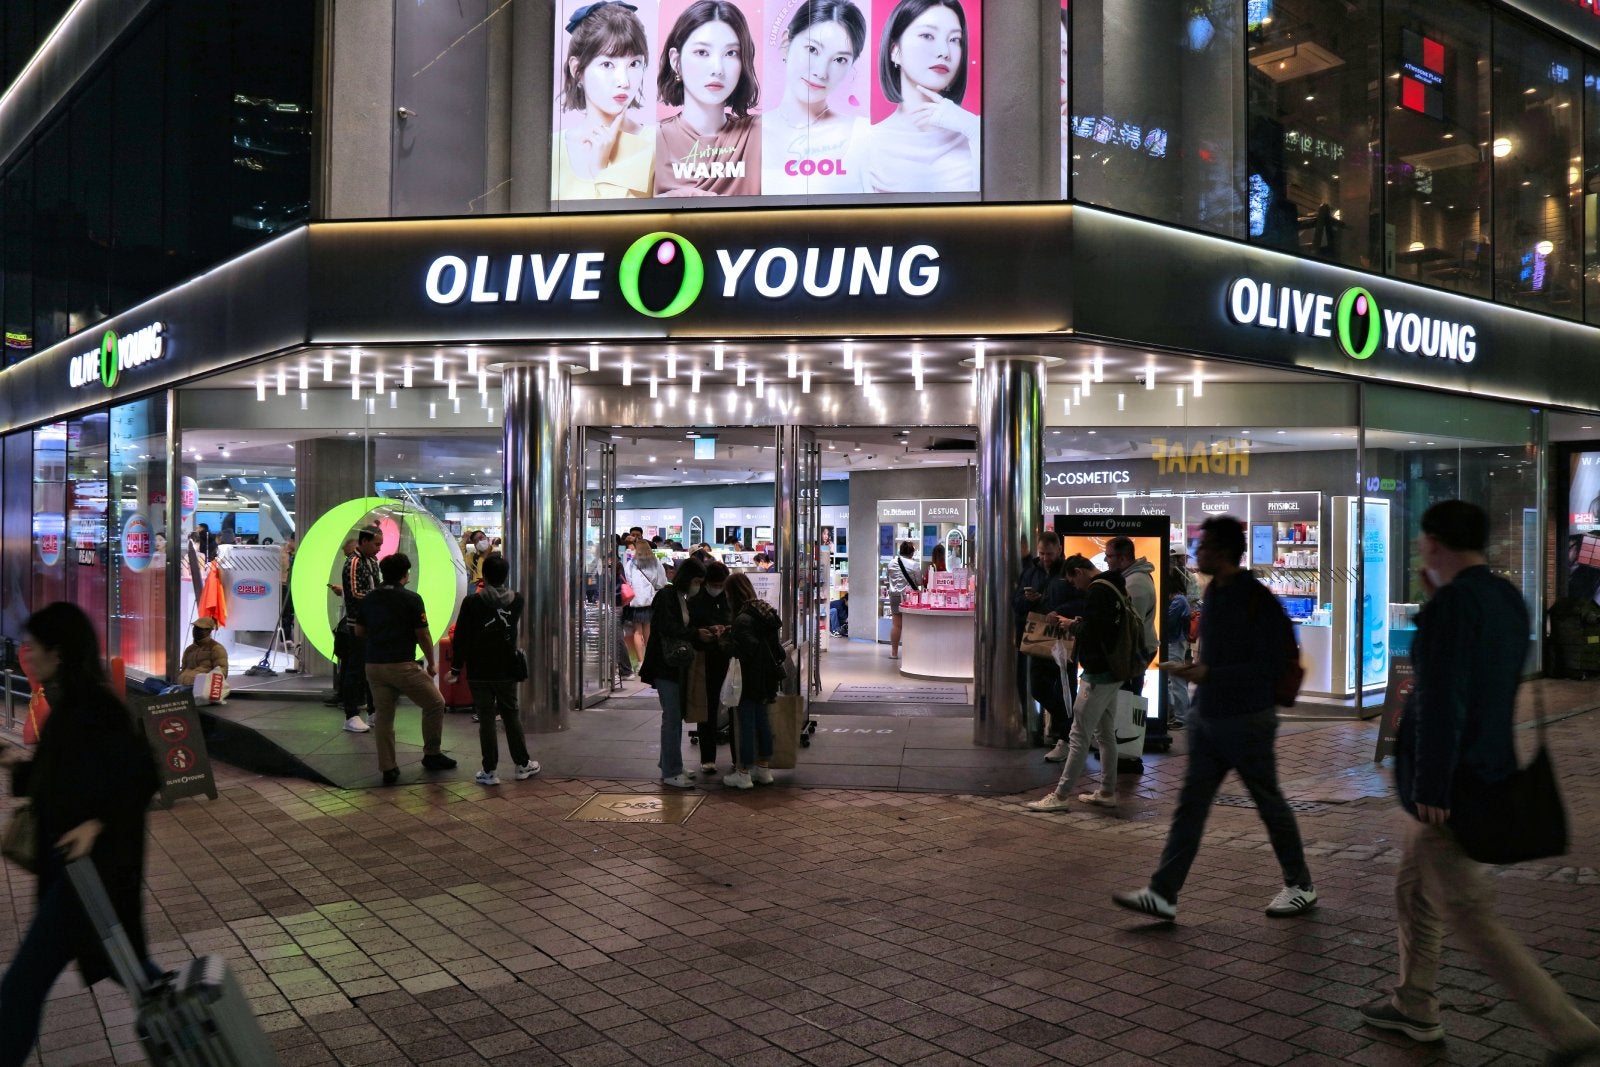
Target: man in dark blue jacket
1455 736
1043 676
1245 642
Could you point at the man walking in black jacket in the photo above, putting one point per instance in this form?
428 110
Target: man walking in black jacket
486 648
1043 676
1245 642
1455 736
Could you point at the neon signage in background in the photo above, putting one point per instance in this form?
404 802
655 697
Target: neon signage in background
1106 130
1422 63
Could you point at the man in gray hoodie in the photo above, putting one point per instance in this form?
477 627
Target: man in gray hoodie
1138 576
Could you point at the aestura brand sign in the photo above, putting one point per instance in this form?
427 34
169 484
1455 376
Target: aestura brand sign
663 274
1352 319
116 354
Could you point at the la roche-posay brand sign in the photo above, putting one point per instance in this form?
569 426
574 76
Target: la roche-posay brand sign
117 353
1353 320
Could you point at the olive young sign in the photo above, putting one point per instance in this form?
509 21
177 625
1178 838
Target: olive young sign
1352 319
708 274
116 354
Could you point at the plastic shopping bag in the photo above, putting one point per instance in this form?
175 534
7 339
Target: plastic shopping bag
732 685
210 688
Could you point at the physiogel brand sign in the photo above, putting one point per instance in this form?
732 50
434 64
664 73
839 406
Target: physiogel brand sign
663 274
116 354
1353 320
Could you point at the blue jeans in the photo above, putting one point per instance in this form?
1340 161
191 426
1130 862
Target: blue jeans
670 694
1243 743
42 956
755 734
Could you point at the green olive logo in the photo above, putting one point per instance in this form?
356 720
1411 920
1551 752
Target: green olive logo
662 275
109 359
1360 323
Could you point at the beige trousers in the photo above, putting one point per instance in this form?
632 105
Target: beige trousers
389 682
1438 883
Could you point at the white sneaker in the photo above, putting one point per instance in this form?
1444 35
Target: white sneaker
526 770
761 775
738 780
487 778
1147 901
1102 800
679 781
1048 802
355 724
1057 754
1292 900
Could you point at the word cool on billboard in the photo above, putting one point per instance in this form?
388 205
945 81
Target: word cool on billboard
1353 320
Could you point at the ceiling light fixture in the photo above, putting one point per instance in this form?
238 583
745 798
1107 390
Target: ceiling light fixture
672 364
305 373
438 367
1122 401
761 384
405 376
472 361
794 362
805 380
1099 369
261 389
860 370
304 402
849 354
655 388
1199 383
355 363
718 354
283 384
1149 376
1180 396
327 366
738 374
694 377
379 386
627 371
980 355
594 357
355 388
1088 381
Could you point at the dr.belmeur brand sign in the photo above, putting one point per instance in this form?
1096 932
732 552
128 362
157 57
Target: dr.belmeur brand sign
117 353
1352 319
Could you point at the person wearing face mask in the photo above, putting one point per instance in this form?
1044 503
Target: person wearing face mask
205 655
669 628
711 625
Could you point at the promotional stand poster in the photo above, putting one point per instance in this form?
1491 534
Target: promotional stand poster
663 99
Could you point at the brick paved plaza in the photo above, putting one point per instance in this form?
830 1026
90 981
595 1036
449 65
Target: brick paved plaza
449 924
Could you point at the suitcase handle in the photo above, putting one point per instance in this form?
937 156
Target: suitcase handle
91 891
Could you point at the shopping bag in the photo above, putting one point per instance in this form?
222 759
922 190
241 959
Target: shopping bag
732 685
20 843
38 712
1133 713
1063 652
787 715
694 692
1040 635
210 688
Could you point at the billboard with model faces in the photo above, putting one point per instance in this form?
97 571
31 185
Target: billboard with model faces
660 99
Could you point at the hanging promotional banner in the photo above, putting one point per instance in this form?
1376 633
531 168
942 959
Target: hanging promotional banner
188 497
136 542
694 98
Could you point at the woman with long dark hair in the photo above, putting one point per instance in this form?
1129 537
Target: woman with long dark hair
90 779
669 624
757 645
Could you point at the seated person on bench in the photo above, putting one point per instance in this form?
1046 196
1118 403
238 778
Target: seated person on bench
205 655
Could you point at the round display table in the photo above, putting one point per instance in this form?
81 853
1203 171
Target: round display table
937 642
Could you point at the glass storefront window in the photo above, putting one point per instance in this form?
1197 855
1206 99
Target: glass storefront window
17 553
87 550
137 525
1538 155
49 514
1436 175
1314 114
1591 191
1158 111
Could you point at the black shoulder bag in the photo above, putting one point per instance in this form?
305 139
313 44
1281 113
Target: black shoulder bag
519 658
1519 819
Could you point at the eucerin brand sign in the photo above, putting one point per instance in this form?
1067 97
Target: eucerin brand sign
116 354
1352 319
662 275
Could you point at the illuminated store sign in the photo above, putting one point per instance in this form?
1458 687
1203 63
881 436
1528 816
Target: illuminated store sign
117 354
663 274
1117 477
1230 457
1353 320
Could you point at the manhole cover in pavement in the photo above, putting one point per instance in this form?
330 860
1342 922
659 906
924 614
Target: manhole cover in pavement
1232 800
638 807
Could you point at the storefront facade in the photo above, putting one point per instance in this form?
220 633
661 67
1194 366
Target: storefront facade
1171 314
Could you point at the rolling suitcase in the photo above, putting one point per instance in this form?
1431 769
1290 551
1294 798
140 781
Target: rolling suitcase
196 1017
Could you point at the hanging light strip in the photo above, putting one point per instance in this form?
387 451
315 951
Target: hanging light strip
472 361
355 363
694 377
738 373
1099 368
761 384
594 357
327 366
1199 383
304 400
794 362
850 356
261 389
805 380
355 388
450 387
655 388
1088 381
1149 376
1180 396
672 364
405 376
438 367
980 355
378 388
718 355
627 371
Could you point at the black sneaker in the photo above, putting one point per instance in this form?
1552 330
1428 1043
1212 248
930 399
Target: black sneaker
1573 1057
437 761
1385 1016
391 776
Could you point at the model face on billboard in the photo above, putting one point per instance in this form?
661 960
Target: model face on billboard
709 65
929 54
817 60
1064 57
612 84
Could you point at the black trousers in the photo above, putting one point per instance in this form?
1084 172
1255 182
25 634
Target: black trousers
716 674
354 693
1044 679
1244 743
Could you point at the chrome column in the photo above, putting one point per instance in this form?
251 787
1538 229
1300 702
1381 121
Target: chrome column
786 528
1010 495
539 496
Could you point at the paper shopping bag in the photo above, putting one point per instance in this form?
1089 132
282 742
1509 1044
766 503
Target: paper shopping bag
787 714
1040 635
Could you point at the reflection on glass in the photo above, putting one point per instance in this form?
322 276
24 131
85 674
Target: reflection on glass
1313 110
1436 171
1537 154
1158 109
138 535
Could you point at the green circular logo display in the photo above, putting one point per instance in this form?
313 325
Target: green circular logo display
664 247
1358 317
109 368
438 573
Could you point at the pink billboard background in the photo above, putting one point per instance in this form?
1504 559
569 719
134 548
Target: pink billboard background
882 108
648 16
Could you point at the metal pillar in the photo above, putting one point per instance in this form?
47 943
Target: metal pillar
786 527
1010 495
538 523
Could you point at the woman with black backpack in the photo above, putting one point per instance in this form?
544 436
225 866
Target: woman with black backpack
757 646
